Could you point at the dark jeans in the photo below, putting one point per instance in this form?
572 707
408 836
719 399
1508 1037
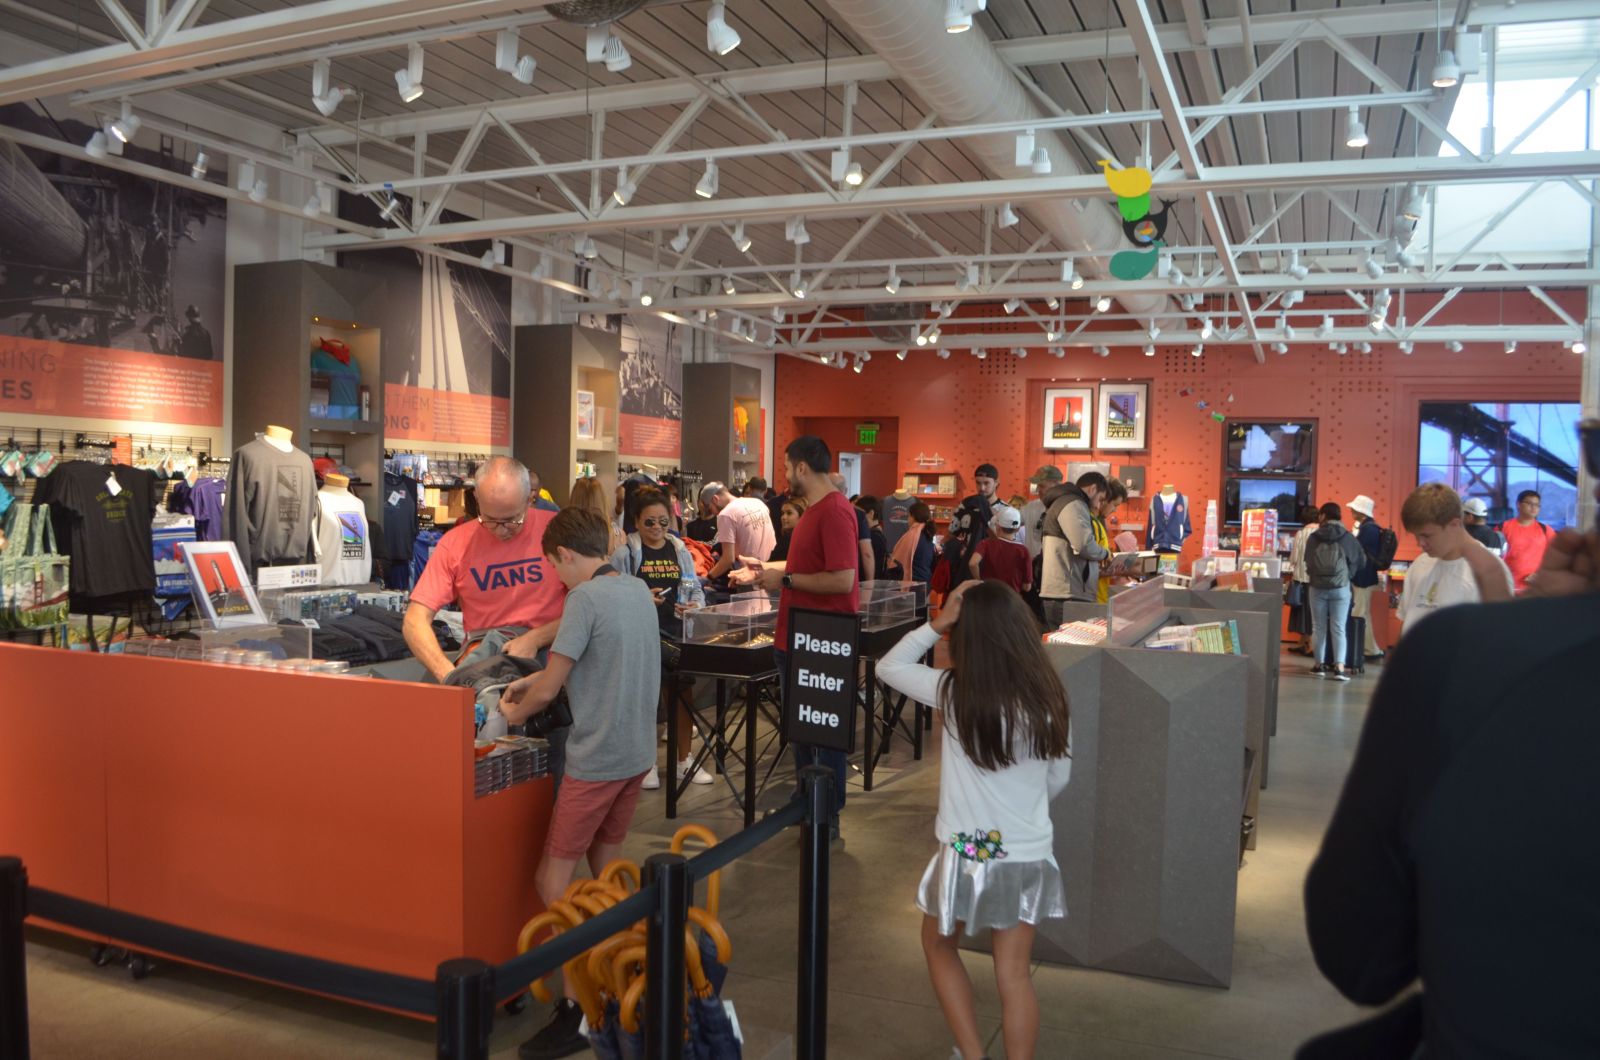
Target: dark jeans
808 755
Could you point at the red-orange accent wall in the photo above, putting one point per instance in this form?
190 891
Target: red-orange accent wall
972 411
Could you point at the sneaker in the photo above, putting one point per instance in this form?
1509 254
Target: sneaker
1319 670
652 779
700 775
1340 675
1374 657
560 1037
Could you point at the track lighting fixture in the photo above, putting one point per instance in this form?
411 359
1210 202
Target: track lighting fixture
680 242
1154 330
1024 150
1453 346
325 95
933 336
721 38
1205 328
98 146
922 338
1102 303
794 230
1057 352
587 249
857 366
1102 350
507 46
538 271
727 285
1355 133
1374 267
1511 346
958 14
1175 274
1405 346
1070 275
900 356
1446 72
1012 305
625 188
616 54
409 79
1041 162
1325 328
1051 334
1019 353
892 284
642 295
201 164
945 309
968 280
320 202
258 191
1339 347
1415 203
797 284
1007 217
706 186
1053 302
1378 322
1579 346
981 354
1286 328
125 127
246 175
390 208
1199 348
1280 347
1296 269
1149 349
741 242
1289 299
778 314
1363 347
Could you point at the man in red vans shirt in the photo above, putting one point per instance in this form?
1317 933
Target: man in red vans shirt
1526 539
821 573
495 566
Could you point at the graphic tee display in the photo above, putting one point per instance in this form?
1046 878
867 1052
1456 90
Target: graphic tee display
272 497
896 517
498 583
102 515
344 544
659 569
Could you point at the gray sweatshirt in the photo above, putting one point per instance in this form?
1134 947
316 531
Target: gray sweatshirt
272 504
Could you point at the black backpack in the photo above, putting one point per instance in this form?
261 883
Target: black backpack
1388 543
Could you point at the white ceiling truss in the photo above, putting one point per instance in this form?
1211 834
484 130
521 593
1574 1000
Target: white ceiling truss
1238 117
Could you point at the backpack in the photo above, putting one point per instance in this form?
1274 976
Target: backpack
1326 563
1388 543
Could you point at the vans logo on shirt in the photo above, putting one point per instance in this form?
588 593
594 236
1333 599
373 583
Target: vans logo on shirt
508 574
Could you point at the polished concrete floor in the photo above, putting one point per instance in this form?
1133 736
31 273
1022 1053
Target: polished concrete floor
880 1004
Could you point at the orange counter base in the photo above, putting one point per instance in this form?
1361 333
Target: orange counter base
326 816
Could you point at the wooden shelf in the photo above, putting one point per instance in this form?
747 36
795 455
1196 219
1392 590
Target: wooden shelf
345 426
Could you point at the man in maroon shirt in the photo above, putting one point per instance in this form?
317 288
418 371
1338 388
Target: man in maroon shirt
821 573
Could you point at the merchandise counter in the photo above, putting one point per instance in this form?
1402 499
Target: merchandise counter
327 816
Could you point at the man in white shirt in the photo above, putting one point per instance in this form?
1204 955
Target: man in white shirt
1454 569
744 527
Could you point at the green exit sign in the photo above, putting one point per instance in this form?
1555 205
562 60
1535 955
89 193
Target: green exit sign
866 434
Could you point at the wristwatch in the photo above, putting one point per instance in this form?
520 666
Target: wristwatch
788 581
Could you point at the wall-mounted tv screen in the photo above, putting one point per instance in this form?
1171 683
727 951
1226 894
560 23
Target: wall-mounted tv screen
1286 495
1270 447
1495 450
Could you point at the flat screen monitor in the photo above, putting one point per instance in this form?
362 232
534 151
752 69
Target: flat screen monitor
1270 447
1286 495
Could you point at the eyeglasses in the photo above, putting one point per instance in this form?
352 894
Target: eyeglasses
503 524
658 524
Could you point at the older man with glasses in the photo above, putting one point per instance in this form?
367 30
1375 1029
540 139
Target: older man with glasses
494 566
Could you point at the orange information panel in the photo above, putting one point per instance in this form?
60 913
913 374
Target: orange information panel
650 436
49 378
425 415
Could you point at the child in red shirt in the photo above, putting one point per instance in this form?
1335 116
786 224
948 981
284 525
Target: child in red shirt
999 557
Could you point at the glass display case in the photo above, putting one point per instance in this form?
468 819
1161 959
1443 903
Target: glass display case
919 590
887 608
735 638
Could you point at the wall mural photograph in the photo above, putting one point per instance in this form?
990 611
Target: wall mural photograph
111 285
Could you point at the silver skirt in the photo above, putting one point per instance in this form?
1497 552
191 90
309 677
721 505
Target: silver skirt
989 894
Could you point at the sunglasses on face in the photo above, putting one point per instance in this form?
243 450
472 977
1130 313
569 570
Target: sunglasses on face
503 524
660 524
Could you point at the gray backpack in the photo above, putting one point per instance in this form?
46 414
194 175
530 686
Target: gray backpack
1326 563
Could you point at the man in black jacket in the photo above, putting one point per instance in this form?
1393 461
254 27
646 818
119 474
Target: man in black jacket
1461 851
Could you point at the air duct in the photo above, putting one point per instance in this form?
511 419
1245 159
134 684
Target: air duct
962 79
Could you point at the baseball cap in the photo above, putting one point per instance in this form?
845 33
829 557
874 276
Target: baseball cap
1006 517
324 466
986 471
1475 506
1046 473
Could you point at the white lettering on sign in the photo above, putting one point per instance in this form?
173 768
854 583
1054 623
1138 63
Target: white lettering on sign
812 716
806 642
809 679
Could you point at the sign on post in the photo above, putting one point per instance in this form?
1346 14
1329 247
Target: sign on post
819 694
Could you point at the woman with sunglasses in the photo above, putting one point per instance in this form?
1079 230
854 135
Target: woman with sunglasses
655 554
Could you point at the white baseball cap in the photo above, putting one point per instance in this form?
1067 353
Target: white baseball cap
1475 506
1006 517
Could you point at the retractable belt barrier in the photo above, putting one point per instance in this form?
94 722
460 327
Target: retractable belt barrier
463 994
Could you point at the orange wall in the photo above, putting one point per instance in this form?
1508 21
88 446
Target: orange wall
972 411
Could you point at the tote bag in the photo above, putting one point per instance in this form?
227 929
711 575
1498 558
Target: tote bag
34 577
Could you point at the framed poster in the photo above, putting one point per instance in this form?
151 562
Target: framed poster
1068 417
1124 416
585 414
220 585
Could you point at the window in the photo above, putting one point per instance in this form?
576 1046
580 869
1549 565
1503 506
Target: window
1495 450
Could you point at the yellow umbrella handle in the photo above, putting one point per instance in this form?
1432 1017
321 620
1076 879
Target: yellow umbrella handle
713 928
629 1006
623 868
709 838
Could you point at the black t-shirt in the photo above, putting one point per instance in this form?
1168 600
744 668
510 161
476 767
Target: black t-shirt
704 530
104 528
1489 539
399 517
659 569
880 554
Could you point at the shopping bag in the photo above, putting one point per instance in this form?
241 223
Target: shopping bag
34 578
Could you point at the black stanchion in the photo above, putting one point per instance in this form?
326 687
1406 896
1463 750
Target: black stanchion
466 1009
13 960
664 1011
811 1014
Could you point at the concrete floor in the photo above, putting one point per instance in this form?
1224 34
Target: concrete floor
880 1003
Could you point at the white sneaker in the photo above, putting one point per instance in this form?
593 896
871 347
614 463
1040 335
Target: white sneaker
652 779
700 775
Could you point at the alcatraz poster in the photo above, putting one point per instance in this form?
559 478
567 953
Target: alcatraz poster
111 286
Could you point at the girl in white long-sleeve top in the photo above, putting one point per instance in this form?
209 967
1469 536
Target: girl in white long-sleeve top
1006 754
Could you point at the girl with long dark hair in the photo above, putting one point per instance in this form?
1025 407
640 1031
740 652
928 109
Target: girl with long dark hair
1005 756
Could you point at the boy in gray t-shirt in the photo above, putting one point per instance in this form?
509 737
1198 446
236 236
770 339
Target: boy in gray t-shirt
607 654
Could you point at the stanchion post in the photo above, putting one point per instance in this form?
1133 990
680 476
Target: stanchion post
465 992
664 1013
13 959
811 1014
